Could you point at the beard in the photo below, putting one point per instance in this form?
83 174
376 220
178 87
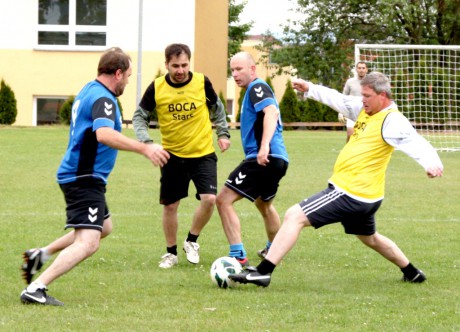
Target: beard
119 89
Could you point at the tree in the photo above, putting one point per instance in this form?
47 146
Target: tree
289 105
321 46
65 113
236 31
240 103
8 108
224 102
268 80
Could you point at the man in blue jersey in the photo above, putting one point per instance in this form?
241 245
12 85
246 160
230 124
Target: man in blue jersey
94 140
266 160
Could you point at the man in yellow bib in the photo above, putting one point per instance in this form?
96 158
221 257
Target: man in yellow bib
186 105
356 188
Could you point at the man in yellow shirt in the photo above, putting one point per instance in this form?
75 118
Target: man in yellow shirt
186 104
356 188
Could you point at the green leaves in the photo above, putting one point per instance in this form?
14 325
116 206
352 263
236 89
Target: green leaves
236 30
321 46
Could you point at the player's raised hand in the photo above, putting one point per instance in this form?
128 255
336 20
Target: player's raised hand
300 85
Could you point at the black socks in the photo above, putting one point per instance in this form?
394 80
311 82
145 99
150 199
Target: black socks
191 237
410 271
172 250
265 267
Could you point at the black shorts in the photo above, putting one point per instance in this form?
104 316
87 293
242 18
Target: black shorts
330 206
86 204
177 173
252 180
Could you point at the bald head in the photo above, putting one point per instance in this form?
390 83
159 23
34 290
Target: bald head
243 68
244 57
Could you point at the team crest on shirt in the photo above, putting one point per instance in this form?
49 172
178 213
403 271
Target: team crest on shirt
359 128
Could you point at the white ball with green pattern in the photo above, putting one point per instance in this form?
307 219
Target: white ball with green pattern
220 270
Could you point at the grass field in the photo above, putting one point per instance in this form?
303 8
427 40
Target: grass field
328 282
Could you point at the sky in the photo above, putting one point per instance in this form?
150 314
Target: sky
267 14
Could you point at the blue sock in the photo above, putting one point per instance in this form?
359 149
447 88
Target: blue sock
269 244
237 250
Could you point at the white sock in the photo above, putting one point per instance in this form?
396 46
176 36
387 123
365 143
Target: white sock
32 288
45 255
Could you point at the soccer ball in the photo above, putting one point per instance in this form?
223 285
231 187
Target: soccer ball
220 270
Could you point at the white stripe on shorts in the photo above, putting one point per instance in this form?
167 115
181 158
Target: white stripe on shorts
321 201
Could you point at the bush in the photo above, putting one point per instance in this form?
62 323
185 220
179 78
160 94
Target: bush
329 115
224 102
65 112
314 111
268 80
240 102
289 105
8 108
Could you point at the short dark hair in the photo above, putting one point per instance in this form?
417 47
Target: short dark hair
176 50
113 59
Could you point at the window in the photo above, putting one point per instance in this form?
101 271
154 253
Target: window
230 107
65 24
48 109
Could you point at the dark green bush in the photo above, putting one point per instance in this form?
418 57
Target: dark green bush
289 105
240 102
224 102
268 80
8 108
65 112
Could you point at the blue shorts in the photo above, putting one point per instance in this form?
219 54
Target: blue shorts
331 206
86 205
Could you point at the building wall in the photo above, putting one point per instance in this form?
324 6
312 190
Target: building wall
32 70
211 48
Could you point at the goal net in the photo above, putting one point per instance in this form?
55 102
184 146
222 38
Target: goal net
425 82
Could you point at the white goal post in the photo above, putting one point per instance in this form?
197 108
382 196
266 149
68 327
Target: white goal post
425 82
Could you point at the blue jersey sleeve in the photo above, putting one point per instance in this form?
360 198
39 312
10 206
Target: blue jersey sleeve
104 113
261 96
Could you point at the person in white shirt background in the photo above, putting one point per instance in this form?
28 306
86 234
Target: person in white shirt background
353 88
